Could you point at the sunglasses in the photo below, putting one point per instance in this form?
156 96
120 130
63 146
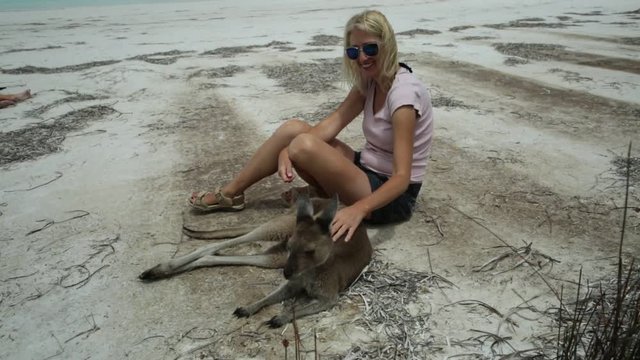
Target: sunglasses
370 49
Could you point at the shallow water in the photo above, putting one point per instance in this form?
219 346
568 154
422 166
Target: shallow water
27 5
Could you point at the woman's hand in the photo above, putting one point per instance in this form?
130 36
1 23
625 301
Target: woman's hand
346 222
285 167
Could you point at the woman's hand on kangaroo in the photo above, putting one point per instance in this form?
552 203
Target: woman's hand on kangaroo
346 222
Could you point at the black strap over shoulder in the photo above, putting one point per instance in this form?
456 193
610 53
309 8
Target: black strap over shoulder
406 67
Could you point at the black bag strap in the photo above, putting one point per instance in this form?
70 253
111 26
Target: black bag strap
406 67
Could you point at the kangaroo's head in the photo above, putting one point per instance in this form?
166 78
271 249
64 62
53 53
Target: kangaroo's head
311 244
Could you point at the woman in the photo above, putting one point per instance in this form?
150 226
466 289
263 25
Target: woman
380 184
12 99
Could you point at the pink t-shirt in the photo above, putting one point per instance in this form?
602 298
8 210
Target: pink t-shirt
377 154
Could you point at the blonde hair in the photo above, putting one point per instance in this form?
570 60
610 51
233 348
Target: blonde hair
375 23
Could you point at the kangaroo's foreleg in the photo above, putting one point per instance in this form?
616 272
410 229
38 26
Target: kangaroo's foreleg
279 229
299 310
286 290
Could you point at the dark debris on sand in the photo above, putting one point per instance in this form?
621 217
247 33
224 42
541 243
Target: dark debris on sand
74 97
306 77
63 69
231 51
45 138
531 51
162 58
388 294
217 73
325 40
324 110
529 23
620 168
419 32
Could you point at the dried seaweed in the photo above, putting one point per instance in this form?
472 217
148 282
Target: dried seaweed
161 58
230 51
33 49
460 28
324 110
531 51
216 73
620 168
419 32
45 138
387 294
75 97
63 69
439 100
325 40
306 77
528 23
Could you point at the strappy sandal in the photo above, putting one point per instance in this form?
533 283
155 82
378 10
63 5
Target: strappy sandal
223 202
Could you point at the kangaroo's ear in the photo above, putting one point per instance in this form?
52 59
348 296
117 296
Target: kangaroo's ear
326 217
305 208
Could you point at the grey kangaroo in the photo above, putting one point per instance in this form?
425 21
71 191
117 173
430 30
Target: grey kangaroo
316 268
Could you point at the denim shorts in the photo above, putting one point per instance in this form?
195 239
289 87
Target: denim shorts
399 209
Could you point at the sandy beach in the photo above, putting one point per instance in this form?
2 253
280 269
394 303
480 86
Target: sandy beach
135 106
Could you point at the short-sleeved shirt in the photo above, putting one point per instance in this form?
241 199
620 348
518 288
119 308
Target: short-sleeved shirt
377 153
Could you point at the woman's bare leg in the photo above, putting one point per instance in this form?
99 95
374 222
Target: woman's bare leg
331 168
263 163
6 103
17 97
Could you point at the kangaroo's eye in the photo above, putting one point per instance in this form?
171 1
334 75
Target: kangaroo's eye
309 252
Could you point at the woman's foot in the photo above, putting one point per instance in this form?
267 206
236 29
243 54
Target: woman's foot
210 201
6 103
23 95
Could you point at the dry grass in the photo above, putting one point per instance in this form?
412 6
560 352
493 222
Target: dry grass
604 323
306 78
46 138
389 295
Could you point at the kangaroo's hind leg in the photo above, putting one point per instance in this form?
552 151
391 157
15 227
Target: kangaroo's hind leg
278 229
273 258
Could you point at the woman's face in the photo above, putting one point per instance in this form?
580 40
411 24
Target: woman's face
368 64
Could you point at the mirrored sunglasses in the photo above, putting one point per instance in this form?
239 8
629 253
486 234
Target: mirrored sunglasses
370 49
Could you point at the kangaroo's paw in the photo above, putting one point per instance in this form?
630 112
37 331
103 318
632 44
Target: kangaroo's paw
241 312
155 273
276 321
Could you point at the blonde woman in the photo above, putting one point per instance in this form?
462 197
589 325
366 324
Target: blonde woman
12 99
378 184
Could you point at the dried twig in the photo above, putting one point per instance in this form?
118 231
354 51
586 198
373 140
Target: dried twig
58 176
52 222
19 277
553 290
93 329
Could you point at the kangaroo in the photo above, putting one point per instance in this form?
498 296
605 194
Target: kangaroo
316 269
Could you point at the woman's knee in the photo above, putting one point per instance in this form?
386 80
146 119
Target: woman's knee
302 148
292 128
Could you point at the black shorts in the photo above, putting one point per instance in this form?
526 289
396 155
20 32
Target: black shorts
399 209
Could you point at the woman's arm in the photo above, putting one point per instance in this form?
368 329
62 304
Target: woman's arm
327 129
331 126
404 124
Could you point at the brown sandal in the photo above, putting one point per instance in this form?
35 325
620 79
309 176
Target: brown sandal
222 202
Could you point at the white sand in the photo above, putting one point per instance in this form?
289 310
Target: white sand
131 171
